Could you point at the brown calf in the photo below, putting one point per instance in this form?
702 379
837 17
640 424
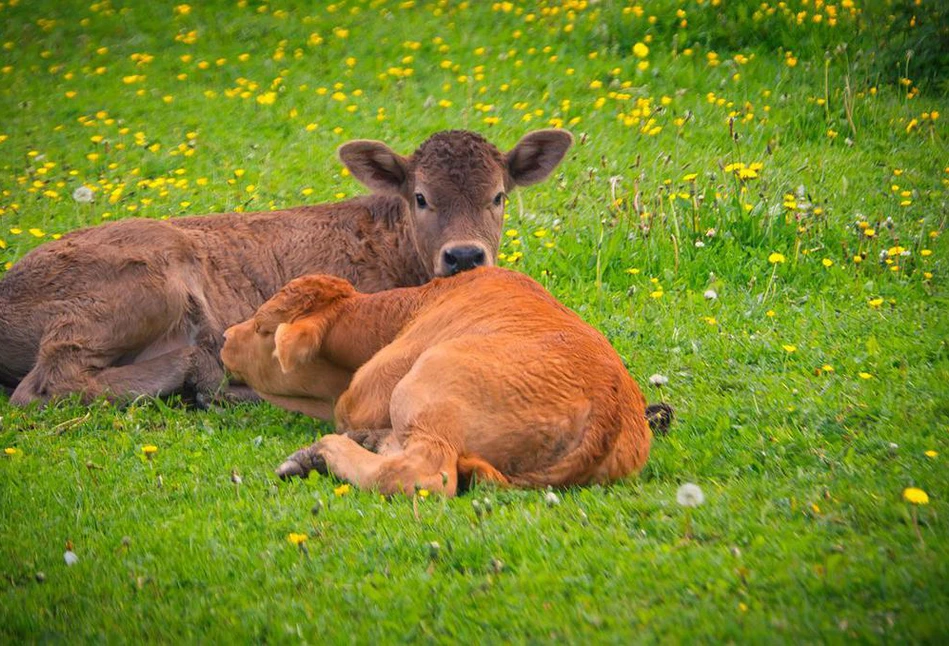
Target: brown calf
139 306
484 373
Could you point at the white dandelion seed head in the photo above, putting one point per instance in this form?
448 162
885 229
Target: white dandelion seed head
658 380
552 499
83 194
699 244
710 294
690 495
70 558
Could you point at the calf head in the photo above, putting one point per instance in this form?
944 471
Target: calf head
288 327
456 185
274 351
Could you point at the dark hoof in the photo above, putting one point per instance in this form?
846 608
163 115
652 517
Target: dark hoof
301 463
370 440
660 417
291 468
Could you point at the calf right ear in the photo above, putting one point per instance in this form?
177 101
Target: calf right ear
375 165
298 342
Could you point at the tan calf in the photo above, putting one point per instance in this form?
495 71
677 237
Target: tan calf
482 373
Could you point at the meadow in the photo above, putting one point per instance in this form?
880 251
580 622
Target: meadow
753 212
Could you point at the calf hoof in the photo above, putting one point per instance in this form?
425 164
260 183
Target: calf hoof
301 463
371 440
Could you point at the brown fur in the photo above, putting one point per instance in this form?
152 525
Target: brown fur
139 306
482 374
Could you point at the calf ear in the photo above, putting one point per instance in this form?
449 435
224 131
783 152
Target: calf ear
536 155
375 165
298 342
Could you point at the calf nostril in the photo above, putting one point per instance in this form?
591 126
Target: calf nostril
450 261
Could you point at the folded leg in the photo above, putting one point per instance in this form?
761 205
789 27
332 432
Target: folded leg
420 465
161 375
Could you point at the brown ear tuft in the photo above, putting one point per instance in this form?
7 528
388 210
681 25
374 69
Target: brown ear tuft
301 297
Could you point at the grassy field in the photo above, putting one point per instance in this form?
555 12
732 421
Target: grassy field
755 208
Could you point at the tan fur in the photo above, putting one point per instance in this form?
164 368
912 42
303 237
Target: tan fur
139 306
482 374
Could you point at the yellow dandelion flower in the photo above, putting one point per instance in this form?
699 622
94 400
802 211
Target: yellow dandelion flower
789 348
342 490
876 302
640 50
776 258
11 451
827 262
296 539
915 496
149 449
931 454
865 375
747 173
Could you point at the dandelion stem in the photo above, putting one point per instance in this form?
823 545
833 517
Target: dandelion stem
919 534
687 533
774 270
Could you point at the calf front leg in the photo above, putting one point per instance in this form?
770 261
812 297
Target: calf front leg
382 442
420 465
365 404
161 375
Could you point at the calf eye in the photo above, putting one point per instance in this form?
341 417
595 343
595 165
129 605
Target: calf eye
420 200
499 199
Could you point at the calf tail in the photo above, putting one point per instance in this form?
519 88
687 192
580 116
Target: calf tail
660 417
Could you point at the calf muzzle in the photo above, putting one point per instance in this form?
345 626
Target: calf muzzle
462 258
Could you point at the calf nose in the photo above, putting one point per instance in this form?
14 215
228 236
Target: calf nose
459 259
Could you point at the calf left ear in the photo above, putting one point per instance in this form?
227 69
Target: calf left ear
536 155
298 342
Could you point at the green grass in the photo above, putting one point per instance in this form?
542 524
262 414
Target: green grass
804 535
